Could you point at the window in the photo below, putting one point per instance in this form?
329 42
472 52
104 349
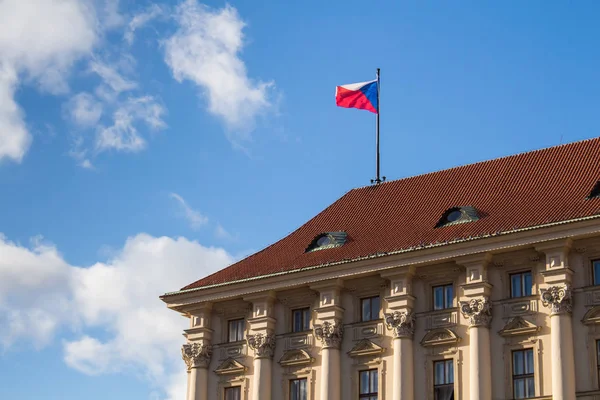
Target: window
236 330
327 240
301 320
369 308
458 215
368 385
298 389
443 380
523 382
520 284
233 393
598 360
443 297
596 272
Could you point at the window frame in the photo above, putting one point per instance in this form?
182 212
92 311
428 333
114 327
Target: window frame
374 316
524 376
232 388
239 333
305 319
597 341
595 277
445 305
445 362
522 284
291 382
370 393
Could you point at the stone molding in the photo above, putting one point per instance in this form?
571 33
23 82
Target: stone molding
263 345
196 355
330 334
402 323
478 311
558 299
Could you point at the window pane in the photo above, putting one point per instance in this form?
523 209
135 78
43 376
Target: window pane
530 387
528 283
366 309
375 307
438 298
449 371
597 272
233 393
374 383
439 373
297 321
306 320
364 382
519 388
303 393
449 296
518 363
598 352
515 285
529 361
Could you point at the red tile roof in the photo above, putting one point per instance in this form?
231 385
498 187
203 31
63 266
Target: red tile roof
520 191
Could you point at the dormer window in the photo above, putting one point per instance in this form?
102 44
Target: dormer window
327 240
595 193
458 215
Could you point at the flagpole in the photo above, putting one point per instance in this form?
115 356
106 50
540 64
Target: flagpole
378 179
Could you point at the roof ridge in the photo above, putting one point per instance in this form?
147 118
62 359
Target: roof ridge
479 162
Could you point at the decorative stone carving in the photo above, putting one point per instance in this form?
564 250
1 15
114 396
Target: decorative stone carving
479 311
330 334
263 345
402 323
558 299
440 337
196 355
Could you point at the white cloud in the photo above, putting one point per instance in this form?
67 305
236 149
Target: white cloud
194 217
39 41
222 233
84 109
117 300
205 50
112 77
123 134
141 19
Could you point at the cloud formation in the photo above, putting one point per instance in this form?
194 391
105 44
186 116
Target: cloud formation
205 50
194 217
118 298
141 19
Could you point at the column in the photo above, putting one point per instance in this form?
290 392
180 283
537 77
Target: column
329 330
402 323
261 339
557 297
400 319
478 312
197 358
559 300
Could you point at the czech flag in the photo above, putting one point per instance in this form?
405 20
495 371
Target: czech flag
361 95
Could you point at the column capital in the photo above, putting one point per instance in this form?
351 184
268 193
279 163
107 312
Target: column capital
262 344
196 355
478 311
330 333
558 298
402 323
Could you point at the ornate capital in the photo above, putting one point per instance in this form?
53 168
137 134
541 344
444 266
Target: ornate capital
330 334
558 299
479 311
263 345
402 323
196 355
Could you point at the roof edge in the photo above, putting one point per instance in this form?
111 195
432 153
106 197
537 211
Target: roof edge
378 255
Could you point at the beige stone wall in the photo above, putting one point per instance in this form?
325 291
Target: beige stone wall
235 362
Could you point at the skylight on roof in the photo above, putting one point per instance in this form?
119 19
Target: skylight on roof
595 193
327 240
458 215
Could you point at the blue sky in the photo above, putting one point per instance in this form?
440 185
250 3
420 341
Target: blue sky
146 144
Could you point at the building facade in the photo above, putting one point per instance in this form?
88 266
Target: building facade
479 282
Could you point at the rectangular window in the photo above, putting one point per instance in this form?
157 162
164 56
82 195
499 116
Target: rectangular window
598 360
522 370
301 320
443 297
443 380
233 393
596 271
236 330
298 389
521 284
368 385
370 308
